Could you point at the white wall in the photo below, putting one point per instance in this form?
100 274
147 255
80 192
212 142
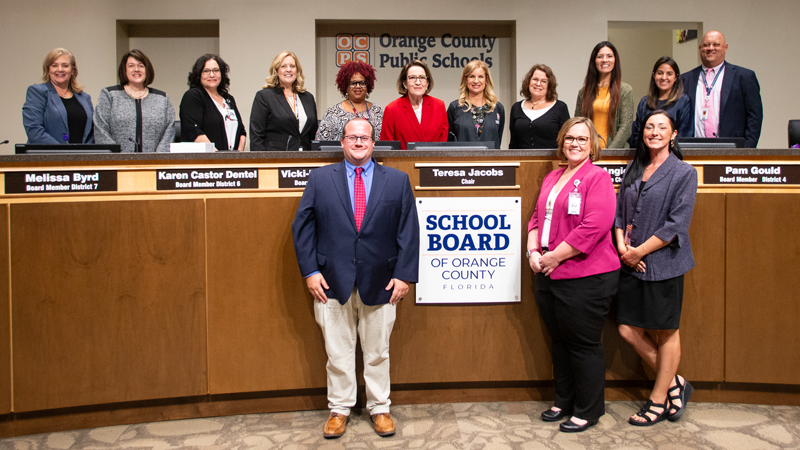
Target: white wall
172 59
560 34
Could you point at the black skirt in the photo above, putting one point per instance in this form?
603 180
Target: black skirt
653 305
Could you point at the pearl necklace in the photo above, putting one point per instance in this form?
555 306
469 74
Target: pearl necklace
135 97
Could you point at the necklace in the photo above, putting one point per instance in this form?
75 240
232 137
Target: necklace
533 104
134 96
366 111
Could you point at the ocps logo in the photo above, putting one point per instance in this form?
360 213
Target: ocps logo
352 47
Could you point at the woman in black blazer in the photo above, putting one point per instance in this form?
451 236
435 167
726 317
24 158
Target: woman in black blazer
284 114
208 113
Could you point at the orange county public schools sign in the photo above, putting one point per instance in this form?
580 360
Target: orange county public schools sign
470 250
446 51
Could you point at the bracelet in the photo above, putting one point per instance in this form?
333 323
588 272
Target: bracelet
530 252
644 244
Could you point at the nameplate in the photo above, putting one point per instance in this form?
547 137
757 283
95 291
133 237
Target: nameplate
616 171
495 175
214 179
293 177
61 182
752 174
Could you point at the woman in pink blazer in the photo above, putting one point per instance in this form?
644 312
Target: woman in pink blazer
577 272
416 116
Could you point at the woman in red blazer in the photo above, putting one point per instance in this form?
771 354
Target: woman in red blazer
416 116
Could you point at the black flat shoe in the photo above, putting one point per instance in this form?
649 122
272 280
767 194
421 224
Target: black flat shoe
648 409
554 416
572 427
684 393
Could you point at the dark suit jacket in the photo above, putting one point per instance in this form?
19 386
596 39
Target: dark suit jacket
273 123
200 116
663 209
740 107
401 124
326 240
45 117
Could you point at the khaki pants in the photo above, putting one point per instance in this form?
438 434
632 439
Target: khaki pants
339 324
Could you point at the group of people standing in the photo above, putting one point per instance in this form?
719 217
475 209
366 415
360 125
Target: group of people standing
722 100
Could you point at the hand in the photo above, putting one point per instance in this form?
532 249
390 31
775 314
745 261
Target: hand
621 248
548 263
633 258
315 284
400 289
534 261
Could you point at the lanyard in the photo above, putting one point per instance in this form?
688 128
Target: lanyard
293 105
705 83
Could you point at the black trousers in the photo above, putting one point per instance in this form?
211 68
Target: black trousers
573 311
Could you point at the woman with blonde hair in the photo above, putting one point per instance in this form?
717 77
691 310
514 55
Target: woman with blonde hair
476 116
284 114
58 111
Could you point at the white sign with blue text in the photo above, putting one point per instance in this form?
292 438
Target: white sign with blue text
470 250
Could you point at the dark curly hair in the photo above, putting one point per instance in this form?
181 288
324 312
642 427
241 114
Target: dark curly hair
353 67
200 64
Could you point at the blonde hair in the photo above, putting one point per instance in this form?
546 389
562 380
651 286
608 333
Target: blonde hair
488 90
51 58
272 79
594 138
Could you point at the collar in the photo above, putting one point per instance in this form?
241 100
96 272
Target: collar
716 69
351 168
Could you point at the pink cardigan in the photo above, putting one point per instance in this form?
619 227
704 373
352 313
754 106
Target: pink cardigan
589 231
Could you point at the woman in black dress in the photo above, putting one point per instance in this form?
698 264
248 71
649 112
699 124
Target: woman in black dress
536 121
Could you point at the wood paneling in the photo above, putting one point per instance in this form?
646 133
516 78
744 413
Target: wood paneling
262 332
703 315
475 342
763 289
5 320
108 302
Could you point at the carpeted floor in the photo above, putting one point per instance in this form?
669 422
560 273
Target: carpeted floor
511 425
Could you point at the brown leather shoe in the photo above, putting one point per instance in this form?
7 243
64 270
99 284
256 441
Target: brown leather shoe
384 425
335 425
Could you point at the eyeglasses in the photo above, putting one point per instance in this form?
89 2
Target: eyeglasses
542 82
582 140
210 71
354 84
414 78
352 139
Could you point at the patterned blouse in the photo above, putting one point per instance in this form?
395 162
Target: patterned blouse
330 128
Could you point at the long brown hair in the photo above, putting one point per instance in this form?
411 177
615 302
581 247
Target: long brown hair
677 88
590 86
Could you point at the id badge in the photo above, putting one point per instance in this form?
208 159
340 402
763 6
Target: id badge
574 207
230 115
704 114
628 230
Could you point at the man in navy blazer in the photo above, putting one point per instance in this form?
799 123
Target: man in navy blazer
356 237
731 105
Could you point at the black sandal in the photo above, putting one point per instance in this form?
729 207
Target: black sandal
648 409
684 393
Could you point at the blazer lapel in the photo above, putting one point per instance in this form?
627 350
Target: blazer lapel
52 97
662 171
411 117
340 183
288 109
308 105
727 83
378 183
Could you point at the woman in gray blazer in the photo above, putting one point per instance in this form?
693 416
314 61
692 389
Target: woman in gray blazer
132 114
654 210
58 111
